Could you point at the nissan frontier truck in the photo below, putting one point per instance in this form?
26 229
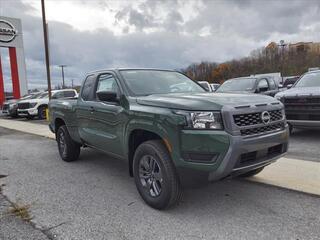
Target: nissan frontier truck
172 133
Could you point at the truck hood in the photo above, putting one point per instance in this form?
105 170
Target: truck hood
301 91
202 101
36 100
11 101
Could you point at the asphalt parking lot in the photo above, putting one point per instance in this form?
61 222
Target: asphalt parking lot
94 198
304 144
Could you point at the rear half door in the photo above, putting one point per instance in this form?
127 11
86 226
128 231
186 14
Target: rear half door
84 110
109 118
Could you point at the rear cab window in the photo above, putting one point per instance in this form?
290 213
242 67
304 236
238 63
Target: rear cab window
87 88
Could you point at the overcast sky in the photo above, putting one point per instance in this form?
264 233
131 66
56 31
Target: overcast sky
93 34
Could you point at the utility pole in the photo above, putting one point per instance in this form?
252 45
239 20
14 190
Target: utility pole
282 45
62 73
71 83
46 46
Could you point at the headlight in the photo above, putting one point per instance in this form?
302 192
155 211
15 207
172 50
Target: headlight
32 105
202 120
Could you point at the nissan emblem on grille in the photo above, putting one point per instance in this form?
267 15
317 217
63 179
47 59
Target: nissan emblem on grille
265 117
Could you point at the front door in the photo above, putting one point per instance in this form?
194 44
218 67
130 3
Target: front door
108 118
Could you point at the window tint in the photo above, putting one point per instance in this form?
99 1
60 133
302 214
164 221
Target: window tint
57 95
272 84
88 88
263 84
68 94
107 82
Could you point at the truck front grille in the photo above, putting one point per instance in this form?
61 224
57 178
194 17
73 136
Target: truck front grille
302 108
301 100
250 119
263 129
23 105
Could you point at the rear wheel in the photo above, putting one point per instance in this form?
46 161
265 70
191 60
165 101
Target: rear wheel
252 173
69 150
42 112
155 175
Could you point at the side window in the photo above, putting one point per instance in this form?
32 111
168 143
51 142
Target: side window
272 84
263 85
57 95
68 94
87 88
107 82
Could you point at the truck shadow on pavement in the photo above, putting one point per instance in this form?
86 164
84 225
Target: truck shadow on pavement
225 196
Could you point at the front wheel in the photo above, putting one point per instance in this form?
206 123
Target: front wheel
155 175
42 112
69 150
252 173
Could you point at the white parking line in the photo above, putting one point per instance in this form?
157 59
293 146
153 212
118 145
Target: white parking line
299 175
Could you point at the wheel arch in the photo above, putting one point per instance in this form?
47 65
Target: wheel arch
138 136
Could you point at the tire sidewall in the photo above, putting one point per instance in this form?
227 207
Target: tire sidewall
62 129
165 195
40 110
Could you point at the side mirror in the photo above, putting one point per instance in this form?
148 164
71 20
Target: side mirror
289 86
107 96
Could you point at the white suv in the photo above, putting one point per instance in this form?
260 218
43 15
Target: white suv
31 108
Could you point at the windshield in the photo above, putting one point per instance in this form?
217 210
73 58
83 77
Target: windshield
146 82
35 96
43 95
309 80
243 84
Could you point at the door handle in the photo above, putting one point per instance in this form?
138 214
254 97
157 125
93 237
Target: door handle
92 110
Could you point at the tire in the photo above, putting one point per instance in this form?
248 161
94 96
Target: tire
42 112
69 150
155 175
252 173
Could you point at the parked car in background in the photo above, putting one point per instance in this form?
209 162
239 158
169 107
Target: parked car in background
36 107
10 107
171 137
302 102
205 85
214 86
263 85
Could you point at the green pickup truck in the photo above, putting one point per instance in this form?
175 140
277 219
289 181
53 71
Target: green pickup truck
172 132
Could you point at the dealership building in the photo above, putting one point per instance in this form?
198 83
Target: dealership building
11 38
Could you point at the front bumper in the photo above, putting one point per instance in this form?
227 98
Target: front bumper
242 155
28 112
304 123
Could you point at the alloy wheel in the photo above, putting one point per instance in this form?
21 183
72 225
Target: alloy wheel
150 175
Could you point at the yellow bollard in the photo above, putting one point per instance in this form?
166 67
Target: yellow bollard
47 114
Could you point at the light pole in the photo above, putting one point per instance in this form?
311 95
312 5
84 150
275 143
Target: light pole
46 47
62 73
282 45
